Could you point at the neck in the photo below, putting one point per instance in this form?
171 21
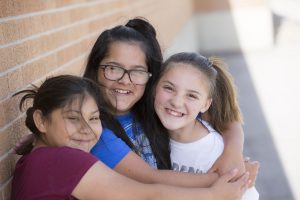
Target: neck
189 133
39 143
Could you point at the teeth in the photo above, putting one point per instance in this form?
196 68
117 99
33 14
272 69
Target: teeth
174 113
122 91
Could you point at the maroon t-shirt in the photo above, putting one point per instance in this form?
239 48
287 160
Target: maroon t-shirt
50 173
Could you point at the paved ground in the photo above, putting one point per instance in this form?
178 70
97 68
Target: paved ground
269 93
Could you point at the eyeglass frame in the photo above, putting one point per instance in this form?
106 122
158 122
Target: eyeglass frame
125 71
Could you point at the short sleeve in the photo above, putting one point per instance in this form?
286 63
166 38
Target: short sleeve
50 173
110 149
71 164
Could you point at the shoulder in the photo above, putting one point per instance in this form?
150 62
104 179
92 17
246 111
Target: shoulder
110 149
59 155
108 135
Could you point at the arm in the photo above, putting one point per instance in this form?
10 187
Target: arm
232 156
117 155
111 185
134 167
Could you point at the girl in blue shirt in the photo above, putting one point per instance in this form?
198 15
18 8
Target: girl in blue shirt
127 60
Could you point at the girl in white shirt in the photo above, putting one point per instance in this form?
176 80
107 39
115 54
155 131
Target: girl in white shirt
192 90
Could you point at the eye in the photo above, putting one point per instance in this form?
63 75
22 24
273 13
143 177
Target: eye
138 73
114 68
95 118
192 96
73 118
168 88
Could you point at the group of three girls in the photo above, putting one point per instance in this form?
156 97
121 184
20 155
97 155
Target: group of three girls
126 61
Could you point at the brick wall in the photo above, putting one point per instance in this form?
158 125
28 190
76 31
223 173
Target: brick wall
39 38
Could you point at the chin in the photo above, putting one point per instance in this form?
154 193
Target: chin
121 111
169 127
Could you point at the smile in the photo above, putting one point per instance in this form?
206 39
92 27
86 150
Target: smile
119 91
174 113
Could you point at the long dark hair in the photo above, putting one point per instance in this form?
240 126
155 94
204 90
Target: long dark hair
136 30
58 92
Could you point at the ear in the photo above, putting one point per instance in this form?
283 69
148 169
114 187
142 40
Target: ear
206 105
39 121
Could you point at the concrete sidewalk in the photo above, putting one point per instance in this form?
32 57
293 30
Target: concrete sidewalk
269 95
269 92
270 124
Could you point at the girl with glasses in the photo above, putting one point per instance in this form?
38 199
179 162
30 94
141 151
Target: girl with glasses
127 60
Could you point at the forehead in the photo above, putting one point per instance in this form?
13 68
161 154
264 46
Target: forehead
183 69
78 101
185 75
126 53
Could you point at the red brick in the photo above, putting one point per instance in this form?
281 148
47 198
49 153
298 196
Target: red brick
3 87
10 109
28 26
12 135
7 191
15 80
6 168
5 144
10 31
17 7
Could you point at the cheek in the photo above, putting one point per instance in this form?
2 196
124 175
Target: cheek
140 90
195 109
160 98
70 127
98 130
102 80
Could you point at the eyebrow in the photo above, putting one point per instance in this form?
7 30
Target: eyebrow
191 91
79 112
118 64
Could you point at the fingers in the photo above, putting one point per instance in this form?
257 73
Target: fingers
230 175
27 139
244 182
252 167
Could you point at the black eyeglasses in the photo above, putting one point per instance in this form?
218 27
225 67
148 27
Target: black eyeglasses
115 73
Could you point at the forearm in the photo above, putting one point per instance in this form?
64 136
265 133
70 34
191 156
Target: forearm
134 167
174 193
233 138
184 179
111 185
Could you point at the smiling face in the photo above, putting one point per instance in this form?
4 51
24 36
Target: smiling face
76 125
181 94
123 94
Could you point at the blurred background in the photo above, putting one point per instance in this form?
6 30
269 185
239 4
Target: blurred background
258 39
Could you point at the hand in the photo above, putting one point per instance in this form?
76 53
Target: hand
223 188
252 167
228 161
26 140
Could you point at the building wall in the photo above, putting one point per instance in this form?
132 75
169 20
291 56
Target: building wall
228 25
40 38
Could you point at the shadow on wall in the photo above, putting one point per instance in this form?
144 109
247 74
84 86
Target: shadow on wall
231 33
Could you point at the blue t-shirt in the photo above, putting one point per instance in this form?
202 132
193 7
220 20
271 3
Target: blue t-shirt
111 150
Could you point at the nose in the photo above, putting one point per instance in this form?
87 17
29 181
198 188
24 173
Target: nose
85 128
125 79
177 101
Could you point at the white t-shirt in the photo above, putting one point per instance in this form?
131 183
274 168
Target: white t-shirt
200 155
